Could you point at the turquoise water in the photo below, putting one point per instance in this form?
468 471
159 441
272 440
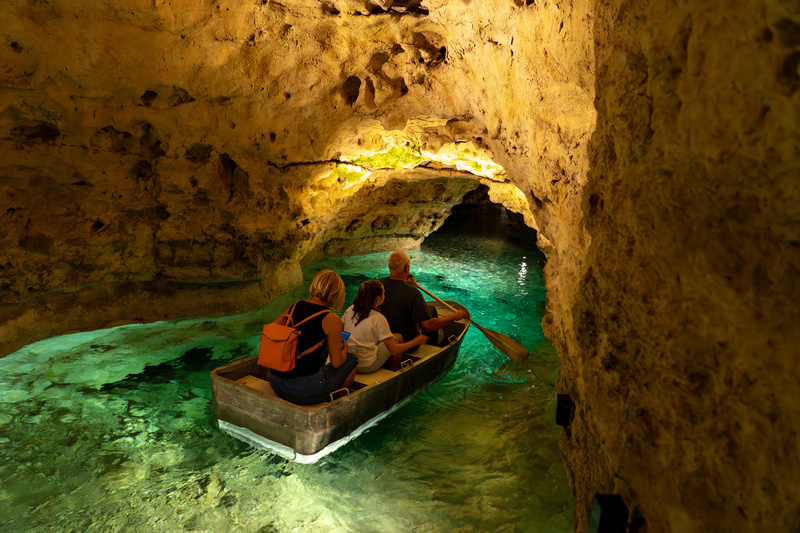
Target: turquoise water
114 430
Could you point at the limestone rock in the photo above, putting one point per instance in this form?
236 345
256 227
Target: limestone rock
161 160
681 336
153 145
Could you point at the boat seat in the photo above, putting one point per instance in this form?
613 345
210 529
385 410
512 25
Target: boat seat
382 374
424 351
262 386
372 378
257 383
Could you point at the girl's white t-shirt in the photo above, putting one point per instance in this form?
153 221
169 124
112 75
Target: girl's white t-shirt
366 335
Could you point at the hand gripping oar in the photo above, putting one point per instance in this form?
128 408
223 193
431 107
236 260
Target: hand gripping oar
505 344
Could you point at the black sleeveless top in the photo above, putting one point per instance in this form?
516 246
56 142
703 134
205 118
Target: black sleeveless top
311 333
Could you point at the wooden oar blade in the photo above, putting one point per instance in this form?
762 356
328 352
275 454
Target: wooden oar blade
507 345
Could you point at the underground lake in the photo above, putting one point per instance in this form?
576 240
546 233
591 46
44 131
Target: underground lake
114 430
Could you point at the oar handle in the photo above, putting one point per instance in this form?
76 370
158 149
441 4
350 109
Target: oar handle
453 309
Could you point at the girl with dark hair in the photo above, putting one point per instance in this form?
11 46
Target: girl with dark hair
370 339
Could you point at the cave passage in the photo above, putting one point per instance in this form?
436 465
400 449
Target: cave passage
114 429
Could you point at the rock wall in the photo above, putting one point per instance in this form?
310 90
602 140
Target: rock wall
683 357
165 159
161 160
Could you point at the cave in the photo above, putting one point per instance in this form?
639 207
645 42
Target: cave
159 161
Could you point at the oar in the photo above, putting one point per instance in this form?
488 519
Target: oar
505 344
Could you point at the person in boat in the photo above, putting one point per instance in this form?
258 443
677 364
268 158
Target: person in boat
311 380
371 339
405 308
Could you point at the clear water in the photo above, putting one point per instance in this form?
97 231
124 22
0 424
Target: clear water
114 430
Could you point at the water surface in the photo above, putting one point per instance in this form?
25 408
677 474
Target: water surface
114 430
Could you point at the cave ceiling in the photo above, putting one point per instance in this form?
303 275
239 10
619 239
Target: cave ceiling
146 142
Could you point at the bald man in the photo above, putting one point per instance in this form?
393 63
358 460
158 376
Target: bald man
405 308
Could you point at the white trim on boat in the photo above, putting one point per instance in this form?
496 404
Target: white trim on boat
286 452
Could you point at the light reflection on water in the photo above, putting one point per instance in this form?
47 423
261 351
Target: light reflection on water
114 430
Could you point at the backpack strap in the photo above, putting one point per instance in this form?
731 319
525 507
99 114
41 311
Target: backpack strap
320 343
288 320
326 311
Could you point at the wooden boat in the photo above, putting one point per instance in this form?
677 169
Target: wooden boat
249 410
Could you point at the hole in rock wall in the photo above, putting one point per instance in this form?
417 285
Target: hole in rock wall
401 186
479 216
350 89
493 230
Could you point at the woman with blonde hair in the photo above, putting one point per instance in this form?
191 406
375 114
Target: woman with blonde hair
311 380
370 339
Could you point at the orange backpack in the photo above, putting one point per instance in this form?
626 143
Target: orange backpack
278 348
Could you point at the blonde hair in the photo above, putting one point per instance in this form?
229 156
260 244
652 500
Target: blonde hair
328 286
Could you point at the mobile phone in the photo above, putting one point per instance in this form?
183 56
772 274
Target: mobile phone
345 335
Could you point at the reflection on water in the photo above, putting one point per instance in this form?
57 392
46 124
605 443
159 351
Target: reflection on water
114 430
